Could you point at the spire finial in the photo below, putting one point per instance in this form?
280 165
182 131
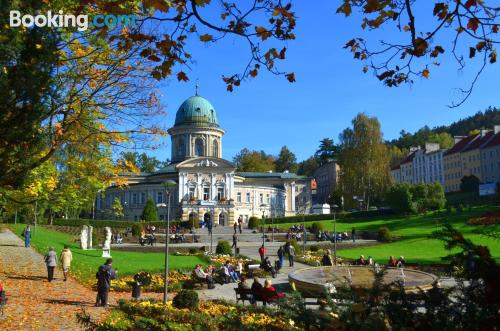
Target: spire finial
196 88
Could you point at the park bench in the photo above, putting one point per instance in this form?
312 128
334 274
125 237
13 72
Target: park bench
243 294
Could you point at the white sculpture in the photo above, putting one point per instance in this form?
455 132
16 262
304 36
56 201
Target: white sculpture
106 248
84 237
89 237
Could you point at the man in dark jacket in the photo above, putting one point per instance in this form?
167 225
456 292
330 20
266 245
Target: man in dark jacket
105 274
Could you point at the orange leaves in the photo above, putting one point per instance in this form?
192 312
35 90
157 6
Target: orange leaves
425 73
473 24
440 10
290 77
206 37
493 56
181 76
345 8
437 50
420 47
262 32
470 3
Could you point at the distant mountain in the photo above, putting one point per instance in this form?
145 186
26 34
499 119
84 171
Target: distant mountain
443 134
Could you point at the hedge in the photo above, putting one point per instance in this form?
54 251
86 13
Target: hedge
339 215
110 223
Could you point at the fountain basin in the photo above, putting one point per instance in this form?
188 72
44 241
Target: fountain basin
312 282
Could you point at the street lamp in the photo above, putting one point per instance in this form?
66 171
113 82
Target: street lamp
168 185
334 235
262 206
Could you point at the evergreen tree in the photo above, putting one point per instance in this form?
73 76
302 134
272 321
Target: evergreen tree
286 161
150 213
327 150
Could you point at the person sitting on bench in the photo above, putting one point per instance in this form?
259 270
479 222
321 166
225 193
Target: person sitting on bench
201 275
256 288
267 266
268 292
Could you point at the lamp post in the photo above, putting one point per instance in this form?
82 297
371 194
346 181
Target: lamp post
167 185
263 224
334 235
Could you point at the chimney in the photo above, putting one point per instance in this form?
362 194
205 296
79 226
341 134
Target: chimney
431 147
496 129
414 148
458 138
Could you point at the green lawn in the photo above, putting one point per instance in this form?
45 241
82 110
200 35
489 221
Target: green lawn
85 263
414 231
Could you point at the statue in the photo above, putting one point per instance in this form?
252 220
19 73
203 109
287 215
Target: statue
89 237
84 237
106 248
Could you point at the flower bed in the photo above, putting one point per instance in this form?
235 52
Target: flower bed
313 258
210 315
491 218
176 279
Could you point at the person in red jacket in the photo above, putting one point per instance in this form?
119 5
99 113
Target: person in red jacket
262 252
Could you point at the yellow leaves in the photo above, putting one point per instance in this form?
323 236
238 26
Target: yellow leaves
206 37
262 32
38 46
425 73
493 56
406 28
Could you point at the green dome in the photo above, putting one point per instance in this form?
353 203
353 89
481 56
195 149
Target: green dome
196 111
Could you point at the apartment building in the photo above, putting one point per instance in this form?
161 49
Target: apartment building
490 159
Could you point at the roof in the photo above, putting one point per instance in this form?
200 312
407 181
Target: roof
477 143
196 111
495 141
409 158
458 147
396 167
281 175
171 168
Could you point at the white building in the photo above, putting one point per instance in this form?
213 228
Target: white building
207 186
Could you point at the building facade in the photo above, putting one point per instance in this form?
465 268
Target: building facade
207 187
326 178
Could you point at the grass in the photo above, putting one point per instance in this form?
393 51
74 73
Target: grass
414 231
86 262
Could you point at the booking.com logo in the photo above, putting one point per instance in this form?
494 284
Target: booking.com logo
61 20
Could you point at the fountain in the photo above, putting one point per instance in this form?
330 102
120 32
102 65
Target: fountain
312 282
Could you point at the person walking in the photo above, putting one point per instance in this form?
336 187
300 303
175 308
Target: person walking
327 259
262 252
27 236
291 255
240 224
65 259
235 240
105 274
235 225
281 255
353 235
209 226
51 262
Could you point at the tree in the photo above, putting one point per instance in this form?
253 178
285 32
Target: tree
143 161
418 48
247 160
150 213
444 139
469 184
117 208
436 198
364 161
396 155
56 81
327 151
286 160
400 198
308 167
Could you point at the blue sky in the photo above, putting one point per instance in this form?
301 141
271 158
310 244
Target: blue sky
269 112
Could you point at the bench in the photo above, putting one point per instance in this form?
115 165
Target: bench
243 294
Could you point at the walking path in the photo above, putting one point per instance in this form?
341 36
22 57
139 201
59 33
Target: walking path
33 302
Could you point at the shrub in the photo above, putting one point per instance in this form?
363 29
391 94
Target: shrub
150 214
223 247
254 222
186 299
316 227
193 250
314 248
460 208
384 234
136 229
400 198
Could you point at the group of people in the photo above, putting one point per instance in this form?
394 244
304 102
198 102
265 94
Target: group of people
147 238
295 232
227 273
324 235
117 238
51 262
393 263
238 225
264 293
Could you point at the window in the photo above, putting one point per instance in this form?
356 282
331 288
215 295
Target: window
261 198
159 197
238 197
198 147
134 198
206 193
220 192
191 190
180 147
248 197
215 149
268 198
143 197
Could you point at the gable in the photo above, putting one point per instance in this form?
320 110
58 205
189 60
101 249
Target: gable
204 164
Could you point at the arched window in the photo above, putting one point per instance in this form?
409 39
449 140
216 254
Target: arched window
180 150
198 147
215 148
